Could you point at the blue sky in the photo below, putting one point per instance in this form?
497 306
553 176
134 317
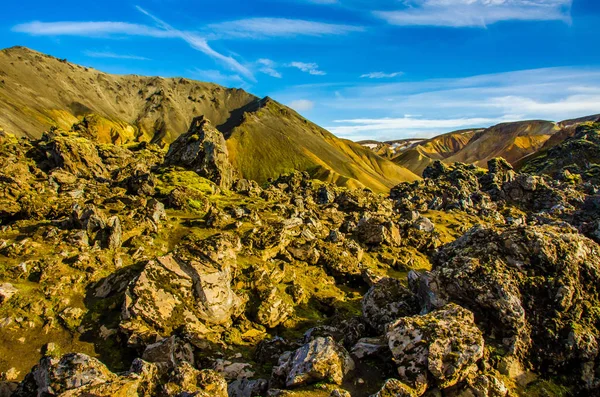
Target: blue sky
364 69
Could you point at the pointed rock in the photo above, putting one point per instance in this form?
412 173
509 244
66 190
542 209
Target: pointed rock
204 150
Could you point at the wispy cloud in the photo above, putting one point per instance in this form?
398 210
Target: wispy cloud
358 126
111 29
378 111
200 44
302 105
89 29
381 75
107 54
257 28
311 68
476 13
267 66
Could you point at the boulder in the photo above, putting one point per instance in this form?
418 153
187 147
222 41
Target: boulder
529 288
374 231
320 359
233 370
424 225
395 388
440 348
248 388
52 377
191 285
169 353
188 381
387 301
141 381
114 237
341 260
188 199
203 149
274 309
7 291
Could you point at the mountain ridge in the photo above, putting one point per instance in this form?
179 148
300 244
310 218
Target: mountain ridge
39 92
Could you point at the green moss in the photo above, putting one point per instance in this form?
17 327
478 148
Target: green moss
171 178
545 388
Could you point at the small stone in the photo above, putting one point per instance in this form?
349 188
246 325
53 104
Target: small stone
7 291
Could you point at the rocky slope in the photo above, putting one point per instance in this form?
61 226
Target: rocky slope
265 139
131 270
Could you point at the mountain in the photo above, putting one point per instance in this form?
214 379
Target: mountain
390 149
511 141
271 139
568 129
265 138
576 155
516 142
39 91
417 157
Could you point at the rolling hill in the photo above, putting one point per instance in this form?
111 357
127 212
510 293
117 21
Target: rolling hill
265 138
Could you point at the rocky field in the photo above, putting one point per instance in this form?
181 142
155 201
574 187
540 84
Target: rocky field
134 270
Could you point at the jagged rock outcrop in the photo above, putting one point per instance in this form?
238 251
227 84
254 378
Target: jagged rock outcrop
440 348
320 359
529 288
575 158
386 301
190 286
395 388
53 377
73 154
203 149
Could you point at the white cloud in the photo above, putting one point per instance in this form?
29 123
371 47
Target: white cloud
311 68
379 111
302 105
108 54
426 127
278 27
109 29
268 66
381 75
200 44
476 13
89 29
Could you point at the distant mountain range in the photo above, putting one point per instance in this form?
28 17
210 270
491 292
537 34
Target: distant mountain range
515 142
